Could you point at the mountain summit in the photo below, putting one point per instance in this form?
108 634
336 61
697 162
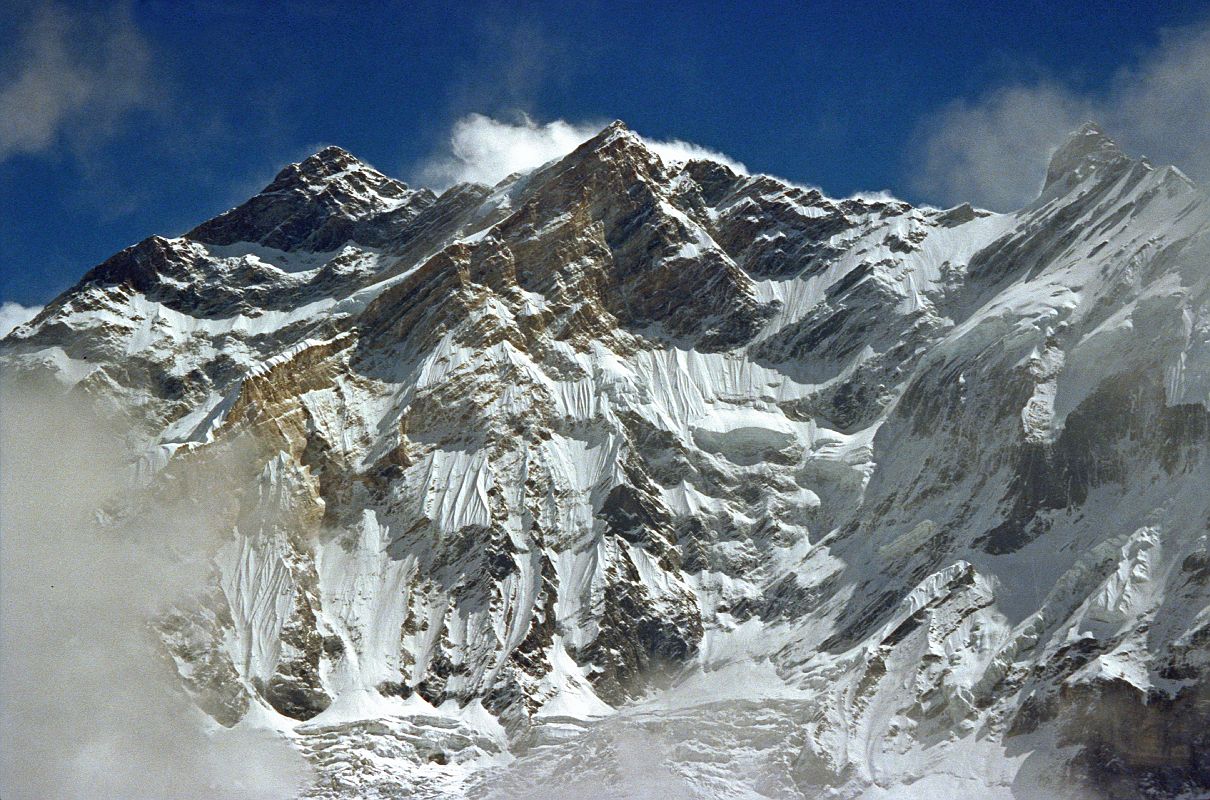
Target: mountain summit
315 205
1085 151
630 468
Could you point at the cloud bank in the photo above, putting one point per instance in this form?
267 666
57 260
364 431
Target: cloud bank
14 314
993 151
481 149
74 77
90 707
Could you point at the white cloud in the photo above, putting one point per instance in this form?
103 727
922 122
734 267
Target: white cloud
14 314
994 151
90 705
76 76
486 150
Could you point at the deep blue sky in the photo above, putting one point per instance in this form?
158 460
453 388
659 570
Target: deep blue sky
827 93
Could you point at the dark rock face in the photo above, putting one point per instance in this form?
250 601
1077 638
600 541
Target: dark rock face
638 644
1136 744
765 231
319 205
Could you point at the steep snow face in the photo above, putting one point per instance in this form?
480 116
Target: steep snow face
633 474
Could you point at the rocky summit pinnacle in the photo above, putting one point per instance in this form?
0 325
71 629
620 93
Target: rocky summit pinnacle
1085 151
633 467
316 203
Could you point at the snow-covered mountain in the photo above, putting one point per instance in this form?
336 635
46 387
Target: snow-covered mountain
629 478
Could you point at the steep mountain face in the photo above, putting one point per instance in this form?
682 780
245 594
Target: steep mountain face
627 477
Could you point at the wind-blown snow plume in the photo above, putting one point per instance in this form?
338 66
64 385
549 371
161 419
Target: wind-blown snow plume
14 314
680 150
89 707
487 150
993 151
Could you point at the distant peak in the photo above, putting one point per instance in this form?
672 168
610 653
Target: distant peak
310 204
319 167
613 132
332 154
1083 152
1089 128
